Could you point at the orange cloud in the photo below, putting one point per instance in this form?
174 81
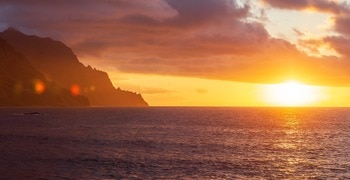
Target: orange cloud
329 6
199 38
334 69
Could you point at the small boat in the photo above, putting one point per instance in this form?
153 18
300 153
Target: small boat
33 113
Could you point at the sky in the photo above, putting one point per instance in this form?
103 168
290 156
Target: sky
201 52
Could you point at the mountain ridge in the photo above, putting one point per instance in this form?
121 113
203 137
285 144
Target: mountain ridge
58 63
22 85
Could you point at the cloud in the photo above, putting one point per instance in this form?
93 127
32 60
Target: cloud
329 6
288 4
342 24
155 91
199 38
202 91
340 12
147 89
341 44
87 9
297 32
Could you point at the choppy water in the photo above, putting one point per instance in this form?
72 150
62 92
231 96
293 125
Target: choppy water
175 143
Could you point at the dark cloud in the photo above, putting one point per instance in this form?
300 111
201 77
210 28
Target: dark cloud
201 38
341 44
288 4
297 32
342 24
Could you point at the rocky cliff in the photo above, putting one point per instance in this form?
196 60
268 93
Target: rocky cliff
22 85
59 64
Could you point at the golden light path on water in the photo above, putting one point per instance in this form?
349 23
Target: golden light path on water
291 141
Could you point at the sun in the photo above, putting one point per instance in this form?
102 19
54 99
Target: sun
291 93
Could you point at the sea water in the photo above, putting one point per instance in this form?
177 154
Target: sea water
174 143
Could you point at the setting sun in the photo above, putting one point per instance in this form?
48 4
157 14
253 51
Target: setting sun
291 93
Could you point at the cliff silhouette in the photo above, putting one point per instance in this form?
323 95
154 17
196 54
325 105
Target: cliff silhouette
22 85
59 64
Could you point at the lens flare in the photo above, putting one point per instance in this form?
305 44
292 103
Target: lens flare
75 90
39 87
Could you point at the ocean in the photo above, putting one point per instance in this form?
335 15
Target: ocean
175 143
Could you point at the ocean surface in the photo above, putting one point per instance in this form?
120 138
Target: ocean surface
174 143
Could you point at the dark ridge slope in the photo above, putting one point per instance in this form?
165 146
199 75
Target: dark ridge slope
58 63
22 85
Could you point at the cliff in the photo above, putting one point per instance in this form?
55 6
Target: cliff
58 63
22 85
